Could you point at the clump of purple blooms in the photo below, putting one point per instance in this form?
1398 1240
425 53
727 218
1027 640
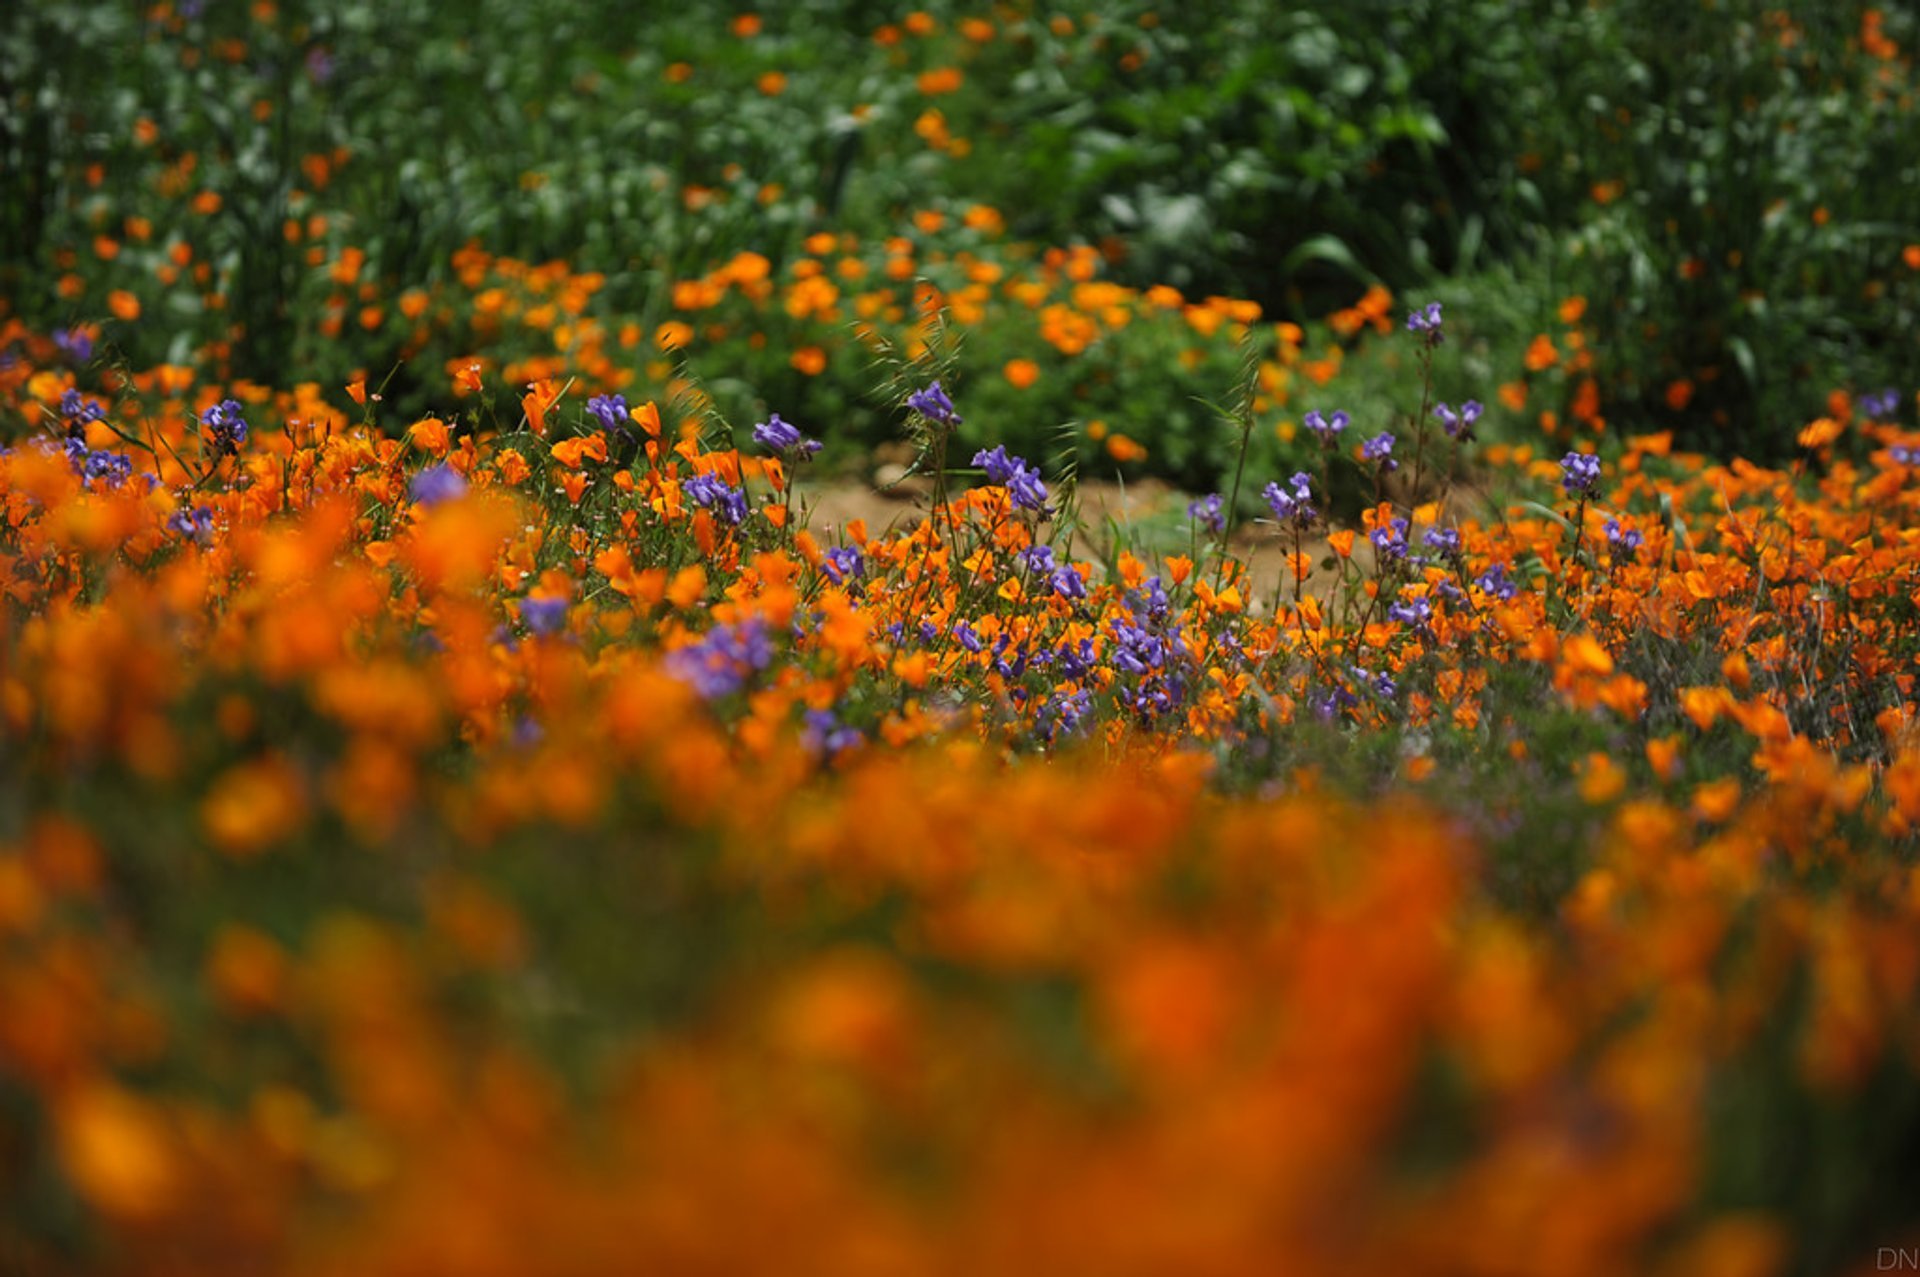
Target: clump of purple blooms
1379 449
1062 577
1579 472
933 404
1495 583
1881 406
74 344
1207 511
436 485
779 436
1326 429
1390 539
720 663
79 410
228 428
1459 424
1425 320
1291 506
194 525
1622 542
110 468
1021 481
826 734
844 563
611 412
1415 610
543 616
711 492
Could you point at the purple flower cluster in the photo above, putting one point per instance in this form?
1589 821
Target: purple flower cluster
1425 320
1459 424
1065 580
79 410
1150 653
543 616
228 428
1021 481
1062 715
1579 472
1291 506
1381 684
720 663
776 435
1622 542
826 734
1390 539
1326 429
74 344
611 412
1903 455
1208 513
844 563
1416 611
1881 406
1496 584
1379 449
436 485
101 466
933 404
194 525
711 492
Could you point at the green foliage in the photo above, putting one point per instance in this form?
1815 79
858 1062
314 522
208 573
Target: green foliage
1751 172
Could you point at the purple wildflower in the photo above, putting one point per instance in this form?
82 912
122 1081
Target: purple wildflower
1881 406
1425 320
711 492
611 412
826 734
720 663
844 563
1380 449
1326 428
74 344
228 428
1416 611
1293 506
1208 513
1064 713
194 525
1459 425
933 404
437 484
1622 542
79 410
543 616
1495 583
1579 472
1390 539
1020 480
776 435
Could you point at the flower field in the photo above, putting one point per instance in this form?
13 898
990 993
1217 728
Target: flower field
461 812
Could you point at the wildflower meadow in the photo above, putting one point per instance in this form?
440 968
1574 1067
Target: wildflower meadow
825 638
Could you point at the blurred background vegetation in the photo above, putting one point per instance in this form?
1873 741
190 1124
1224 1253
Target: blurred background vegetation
1723 192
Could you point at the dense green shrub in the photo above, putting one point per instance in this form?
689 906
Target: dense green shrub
1729 188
